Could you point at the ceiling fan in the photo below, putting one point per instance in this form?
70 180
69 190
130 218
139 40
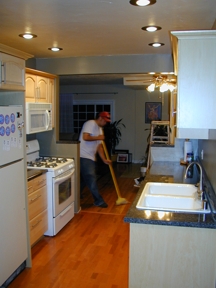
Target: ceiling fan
162 81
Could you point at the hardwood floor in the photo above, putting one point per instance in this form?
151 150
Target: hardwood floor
91 251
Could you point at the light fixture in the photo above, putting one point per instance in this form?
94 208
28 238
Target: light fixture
151 28
156 44
27 35
151 87
142 3
163 83
55 49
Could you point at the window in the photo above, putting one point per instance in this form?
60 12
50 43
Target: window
74 113
83 111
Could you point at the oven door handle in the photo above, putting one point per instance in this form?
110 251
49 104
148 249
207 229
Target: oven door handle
62 179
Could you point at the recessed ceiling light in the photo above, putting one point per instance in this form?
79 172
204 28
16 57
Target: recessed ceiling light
151 28
156 44
142 3
55 49
27 35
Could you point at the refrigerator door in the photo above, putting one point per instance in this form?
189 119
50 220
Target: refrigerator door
13 239
11 134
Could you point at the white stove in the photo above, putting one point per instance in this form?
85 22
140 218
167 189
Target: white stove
60 185
56 165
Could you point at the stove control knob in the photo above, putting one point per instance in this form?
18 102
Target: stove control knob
59 171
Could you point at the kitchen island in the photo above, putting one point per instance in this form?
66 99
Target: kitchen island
169 249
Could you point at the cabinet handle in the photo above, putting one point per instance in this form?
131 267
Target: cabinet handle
1 72
33 199
37 93
34 225
66 211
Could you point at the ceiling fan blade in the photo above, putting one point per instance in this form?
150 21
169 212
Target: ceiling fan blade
138 80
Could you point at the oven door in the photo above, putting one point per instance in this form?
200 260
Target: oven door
63 187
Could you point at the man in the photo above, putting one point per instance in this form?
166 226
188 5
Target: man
91 137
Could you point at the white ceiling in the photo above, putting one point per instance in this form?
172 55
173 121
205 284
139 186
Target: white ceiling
99 27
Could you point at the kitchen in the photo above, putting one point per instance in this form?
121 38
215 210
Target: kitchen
207 145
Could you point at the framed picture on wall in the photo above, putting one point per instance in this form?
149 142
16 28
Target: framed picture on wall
153 111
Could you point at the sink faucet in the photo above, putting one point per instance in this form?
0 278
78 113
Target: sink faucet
199 190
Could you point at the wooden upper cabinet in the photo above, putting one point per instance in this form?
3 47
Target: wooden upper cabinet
31 86
194 62
37 89
12 72
41 88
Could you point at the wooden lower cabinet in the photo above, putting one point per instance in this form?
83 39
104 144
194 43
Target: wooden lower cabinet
169 256
37 201
38 225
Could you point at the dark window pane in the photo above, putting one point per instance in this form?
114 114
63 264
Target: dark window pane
99 108
82 116
81 123
75 108
90 108
82 108
90 116
107 108
76 116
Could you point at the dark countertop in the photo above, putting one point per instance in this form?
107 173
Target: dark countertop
32 173
171 172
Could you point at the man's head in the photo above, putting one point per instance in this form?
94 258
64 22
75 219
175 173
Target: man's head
103 118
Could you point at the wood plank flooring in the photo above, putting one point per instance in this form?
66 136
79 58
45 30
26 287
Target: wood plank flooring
91 251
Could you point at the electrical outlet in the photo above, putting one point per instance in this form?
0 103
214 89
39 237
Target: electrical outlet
202 154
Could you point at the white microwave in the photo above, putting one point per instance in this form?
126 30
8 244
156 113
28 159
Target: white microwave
38 117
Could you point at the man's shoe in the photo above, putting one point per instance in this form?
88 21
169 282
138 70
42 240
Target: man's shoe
103 205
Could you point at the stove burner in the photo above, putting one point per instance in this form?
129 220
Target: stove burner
35 164
47 162
50 165
61 160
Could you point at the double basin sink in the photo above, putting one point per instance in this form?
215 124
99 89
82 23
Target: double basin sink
171 197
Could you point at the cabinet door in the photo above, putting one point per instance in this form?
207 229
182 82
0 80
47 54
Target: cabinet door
42 85
37 89
36 183
38 226
31 88
196 100
52 99
37 202
12 74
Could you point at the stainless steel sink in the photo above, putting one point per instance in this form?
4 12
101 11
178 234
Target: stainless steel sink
171 197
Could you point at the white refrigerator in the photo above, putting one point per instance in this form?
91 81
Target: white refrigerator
13 231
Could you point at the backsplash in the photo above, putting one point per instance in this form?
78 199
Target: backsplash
172 153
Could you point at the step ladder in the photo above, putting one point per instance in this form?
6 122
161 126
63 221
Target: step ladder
160 138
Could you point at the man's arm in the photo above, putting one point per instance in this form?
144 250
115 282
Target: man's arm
102 154
88 137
